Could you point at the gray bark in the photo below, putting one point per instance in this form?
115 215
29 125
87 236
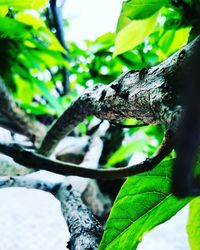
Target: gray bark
16 120
85 230
153 96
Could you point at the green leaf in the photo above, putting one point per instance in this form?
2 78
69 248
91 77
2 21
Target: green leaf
134 34
53 101
13 29
193 226
137 10
38 109
42 31
144 202
172 41
102 43
24 4
126 150
3 10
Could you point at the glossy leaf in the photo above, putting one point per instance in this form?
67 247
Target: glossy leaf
137 10
24 4
144 202
127 150
134 34
172 41
193 226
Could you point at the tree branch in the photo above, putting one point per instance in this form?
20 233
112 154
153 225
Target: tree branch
184 182
84 228
154 96
58 24
31 159
16 120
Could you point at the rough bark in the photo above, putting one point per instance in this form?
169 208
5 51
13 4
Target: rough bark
16 120
154 96
84 228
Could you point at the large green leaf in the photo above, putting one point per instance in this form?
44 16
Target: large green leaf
193 227
134 34
138 9
144 202
24 4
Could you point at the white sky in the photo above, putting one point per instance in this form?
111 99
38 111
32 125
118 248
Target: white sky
91 18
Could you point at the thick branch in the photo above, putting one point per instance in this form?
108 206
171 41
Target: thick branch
75 113
152 96
16 119
189 136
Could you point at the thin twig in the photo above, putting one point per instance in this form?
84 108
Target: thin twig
129 126
59 26
31 159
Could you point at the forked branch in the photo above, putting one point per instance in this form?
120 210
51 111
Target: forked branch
154 96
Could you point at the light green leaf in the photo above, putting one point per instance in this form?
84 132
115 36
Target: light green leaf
24 4
126 150
102 43
137 10
134 34
3 10
42 31
193 226
144 202
172 41
30 20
